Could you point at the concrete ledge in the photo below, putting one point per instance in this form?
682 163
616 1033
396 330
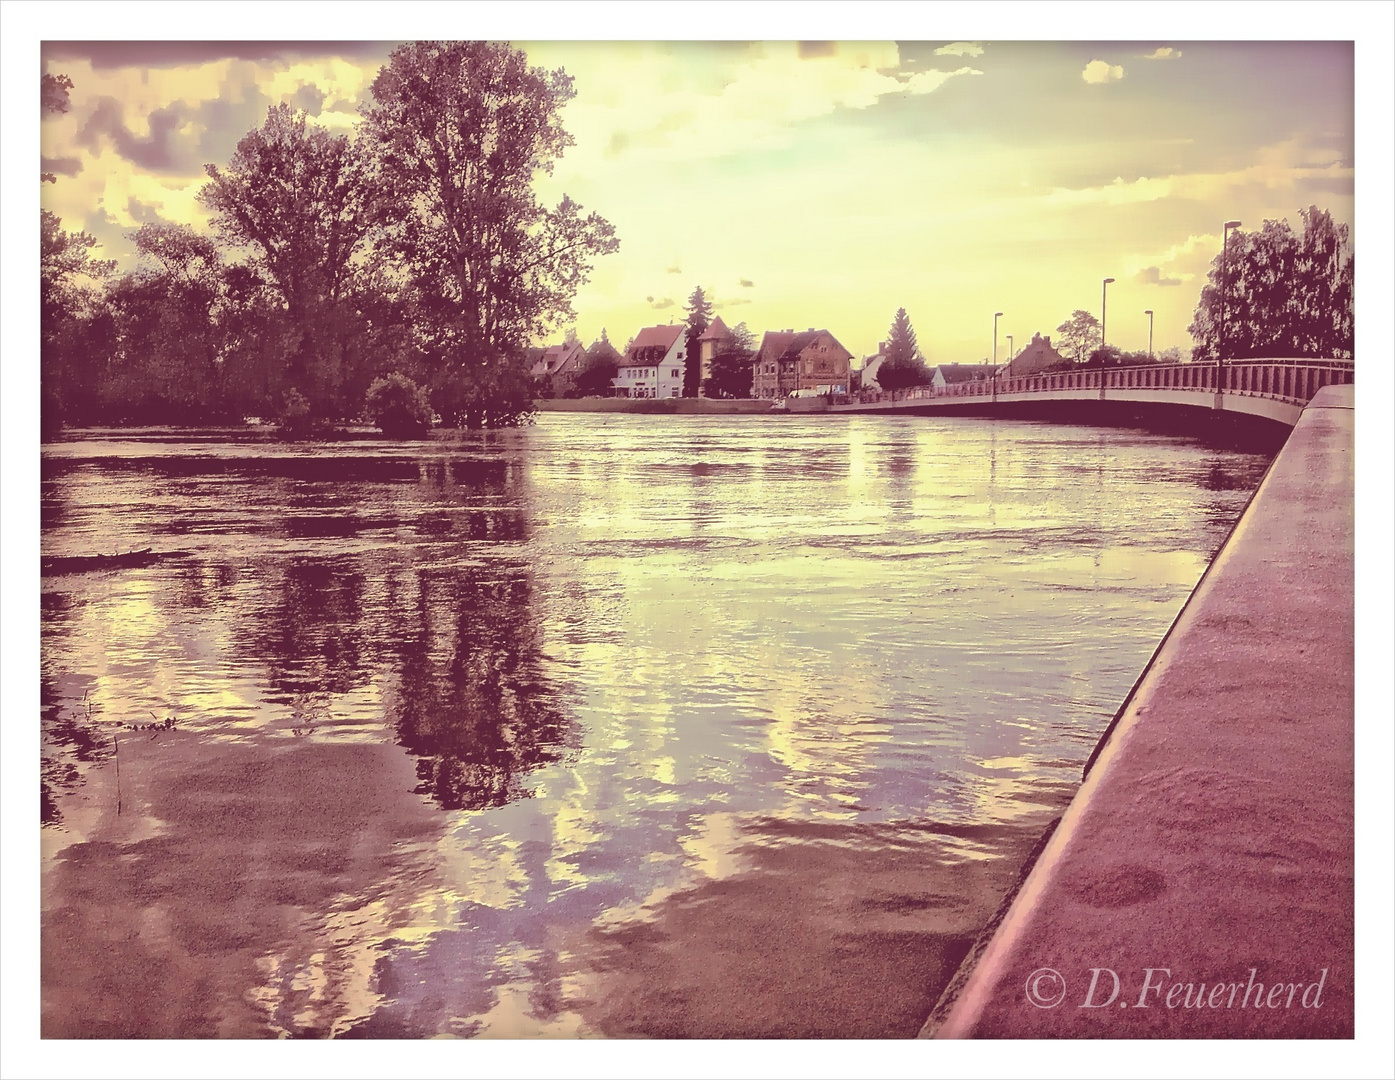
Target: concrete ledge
1207 861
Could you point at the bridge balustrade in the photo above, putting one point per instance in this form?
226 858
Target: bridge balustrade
1291 380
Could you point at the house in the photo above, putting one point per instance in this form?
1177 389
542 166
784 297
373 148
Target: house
870 365
953 374
652 366
560 363
788 361
1036 356
710 344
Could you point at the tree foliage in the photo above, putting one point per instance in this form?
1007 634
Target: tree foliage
459 131
699 318
1079 336
398 406
731 367
1279 294
903 365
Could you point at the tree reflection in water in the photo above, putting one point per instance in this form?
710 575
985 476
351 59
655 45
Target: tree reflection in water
471 701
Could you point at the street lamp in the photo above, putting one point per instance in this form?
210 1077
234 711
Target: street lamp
1009 359
1225 288
1104 296
1149 313
996 315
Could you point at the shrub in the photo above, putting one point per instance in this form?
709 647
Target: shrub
399 407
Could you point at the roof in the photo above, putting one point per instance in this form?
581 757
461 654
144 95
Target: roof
717 331
787 344
651 337
956 373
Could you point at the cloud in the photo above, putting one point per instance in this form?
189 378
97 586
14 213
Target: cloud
1152 275
960 48
674 269
735 301
309 98
666 302
1162 52
924 82
158 151
747 283
62 166
107 55
1097 71
684 101
811 50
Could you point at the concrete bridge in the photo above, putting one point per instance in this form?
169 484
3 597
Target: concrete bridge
1273 390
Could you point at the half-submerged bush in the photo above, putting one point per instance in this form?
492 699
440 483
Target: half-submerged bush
399 407
295 421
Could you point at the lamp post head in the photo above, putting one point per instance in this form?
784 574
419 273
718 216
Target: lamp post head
1232 225
996 314
1109 281
1149 311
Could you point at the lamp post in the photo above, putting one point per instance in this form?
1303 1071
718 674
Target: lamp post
1104 297
1225 288
1149 313
1009 359
996 315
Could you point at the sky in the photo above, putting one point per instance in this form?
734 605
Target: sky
815 183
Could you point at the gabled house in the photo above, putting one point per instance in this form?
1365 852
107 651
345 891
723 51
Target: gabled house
870 365
1036 356
559 363
788 361
652 366
953 374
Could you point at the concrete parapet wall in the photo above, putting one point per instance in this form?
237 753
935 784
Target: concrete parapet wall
1200 884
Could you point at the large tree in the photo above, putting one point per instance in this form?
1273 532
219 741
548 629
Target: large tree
297 201
699 319
903 366
731 367
460 131
1079 336
68 308
165 362
1279 294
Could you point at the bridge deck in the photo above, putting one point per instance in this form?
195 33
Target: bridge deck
1275 390
1212 841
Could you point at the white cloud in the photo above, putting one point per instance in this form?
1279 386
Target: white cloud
646 101
960 48
1097 71
923 82
1163 52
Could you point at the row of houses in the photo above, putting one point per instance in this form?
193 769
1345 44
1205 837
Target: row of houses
787 361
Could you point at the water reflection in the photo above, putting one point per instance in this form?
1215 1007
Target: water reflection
616 725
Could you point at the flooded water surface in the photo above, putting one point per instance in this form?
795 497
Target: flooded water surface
614 725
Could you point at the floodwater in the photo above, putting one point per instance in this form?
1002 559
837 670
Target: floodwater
613 726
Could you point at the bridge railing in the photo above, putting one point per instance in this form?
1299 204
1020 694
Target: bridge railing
1292 380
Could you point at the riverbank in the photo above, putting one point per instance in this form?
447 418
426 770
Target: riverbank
662 406
1209 853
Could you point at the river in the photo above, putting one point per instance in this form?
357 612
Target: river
613 725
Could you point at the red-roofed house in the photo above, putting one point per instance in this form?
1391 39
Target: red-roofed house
790 361
653 364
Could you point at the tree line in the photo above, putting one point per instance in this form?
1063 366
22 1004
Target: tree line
415 249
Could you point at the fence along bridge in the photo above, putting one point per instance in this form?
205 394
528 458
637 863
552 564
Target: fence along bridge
1273 390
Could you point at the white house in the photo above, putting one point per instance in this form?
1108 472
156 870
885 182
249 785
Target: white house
653 364
952 374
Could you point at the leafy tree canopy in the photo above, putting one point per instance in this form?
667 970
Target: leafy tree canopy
1277 293
460 130
1079 336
